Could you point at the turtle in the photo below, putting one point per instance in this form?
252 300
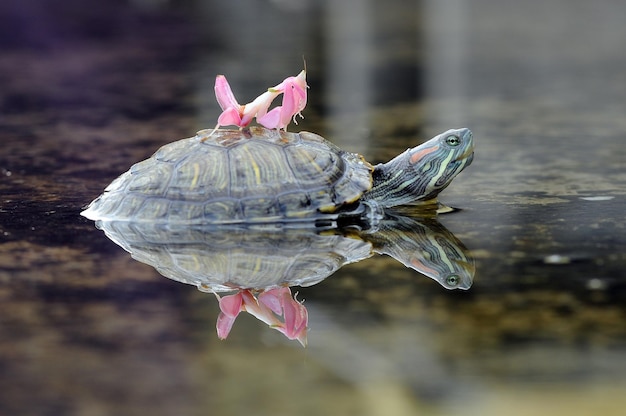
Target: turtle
256 175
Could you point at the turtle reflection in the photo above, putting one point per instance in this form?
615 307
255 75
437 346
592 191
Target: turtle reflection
259 263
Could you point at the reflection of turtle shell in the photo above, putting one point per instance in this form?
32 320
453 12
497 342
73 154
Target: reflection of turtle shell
234 176
220 260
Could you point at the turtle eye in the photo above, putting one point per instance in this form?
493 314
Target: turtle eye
453 140
453 280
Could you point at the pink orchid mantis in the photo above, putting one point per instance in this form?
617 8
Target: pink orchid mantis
233 113
267 306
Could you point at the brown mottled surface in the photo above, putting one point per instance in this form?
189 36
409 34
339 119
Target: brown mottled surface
85 91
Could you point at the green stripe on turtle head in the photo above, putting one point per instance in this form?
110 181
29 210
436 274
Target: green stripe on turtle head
421 173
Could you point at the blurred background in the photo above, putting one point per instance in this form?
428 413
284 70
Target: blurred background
86 90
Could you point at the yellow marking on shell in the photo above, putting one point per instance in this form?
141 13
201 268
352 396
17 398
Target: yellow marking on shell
313 162
257 265
196 263
327 208
255 167
196 175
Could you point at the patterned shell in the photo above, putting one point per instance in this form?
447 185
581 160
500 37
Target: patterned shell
236 176
217 259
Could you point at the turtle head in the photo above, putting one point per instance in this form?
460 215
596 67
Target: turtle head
421 173
435 163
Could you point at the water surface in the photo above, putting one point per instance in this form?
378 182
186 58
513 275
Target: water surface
86 92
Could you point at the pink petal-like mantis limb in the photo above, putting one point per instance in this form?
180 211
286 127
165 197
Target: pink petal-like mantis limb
294 101
261 104
259 310
230 306
231 110
296 317
273 299
273 119
230 117
224 325
224 94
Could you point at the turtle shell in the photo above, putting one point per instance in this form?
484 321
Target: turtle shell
236 176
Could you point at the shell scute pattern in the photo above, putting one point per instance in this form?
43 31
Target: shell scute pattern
199 177
314 167
297 204
285 175
258 168
157 210
217 211
260 208
173 152
356 179
118 183
132 204
231 176
149 180
185 211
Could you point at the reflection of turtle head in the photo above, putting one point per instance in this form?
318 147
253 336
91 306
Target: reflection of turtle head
446 263
428 247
